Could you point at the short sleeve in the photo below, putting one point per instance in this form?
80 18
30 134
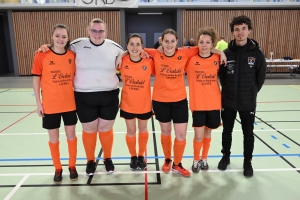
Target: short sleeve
37 66
191 51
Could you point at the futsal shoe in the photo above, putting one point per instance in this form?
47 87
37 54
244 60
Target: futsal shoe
90 168
179 168
57 176
196 166
73 173
109 165
133 163
167 165
141 163
203 165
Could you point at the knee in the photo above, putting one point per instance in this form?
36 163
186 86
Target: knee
180 136
166 131
131 131
198 138
89 128
143 130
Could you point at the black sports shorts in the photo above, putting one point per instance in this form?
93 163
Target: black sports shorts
167 111
92 105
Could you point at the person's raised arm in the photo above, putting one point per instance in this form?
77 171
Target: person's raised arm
223 58
44 48
119 59
152 52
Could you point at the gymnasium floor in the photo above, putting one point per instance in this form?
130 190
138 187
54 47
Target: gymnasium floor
26 170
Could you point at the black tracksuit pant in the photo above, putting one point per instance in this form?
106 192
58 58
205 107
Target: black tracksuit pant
247 120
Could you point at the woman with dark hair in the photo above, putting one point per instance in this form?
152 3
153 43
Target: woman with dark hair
136 99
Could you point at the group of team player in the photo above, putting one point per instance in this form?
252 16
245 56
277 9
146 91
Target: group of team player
92 92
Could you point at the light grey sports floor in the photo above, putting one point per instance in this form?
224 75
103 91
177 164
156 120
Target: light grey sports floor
26 170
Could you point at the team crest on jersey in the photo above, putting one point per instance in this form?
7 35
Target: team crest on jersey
162 57
215 62
126 67
52 62
70 61
230 69
144 68
179 57
251 61
197 63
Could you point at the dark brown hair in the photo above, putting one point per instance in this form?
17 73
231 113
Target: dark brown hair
243 19
132 36
169 31
68 33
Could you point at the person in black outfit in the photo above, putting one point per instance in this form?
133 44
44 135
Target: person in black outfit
158 43
190 43
241 79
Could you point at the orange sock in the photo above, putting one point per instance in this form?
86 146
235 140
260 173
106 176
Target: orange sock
197 148
143 140
72 146
206 145
166 142
178 150
89 142
131 144
54 150
106 139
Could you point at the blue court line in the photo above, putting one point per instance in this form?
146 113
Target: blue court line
255 123
273 136
286 146
148 157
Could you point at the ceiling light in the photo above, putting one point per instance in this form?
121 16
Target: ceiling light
150 13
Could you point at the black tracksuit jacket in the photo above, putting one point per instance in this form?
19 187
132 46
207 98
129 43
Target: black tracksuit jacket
243 76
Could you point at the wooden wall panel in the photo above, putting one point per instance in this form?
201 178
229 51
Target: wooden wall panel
32 29
274 30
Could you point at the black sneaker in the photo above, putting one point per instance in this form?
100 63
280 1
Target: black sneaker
133 163
90 168
57 176
109 165
141 163
196 166
73 173
248 170
223 163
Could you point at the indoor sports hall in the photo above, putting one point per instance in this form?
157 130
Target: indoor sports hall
26 170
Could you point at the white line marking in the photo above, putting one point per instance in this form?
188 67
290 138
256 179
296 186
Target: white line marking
16 187
155 172
158 131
